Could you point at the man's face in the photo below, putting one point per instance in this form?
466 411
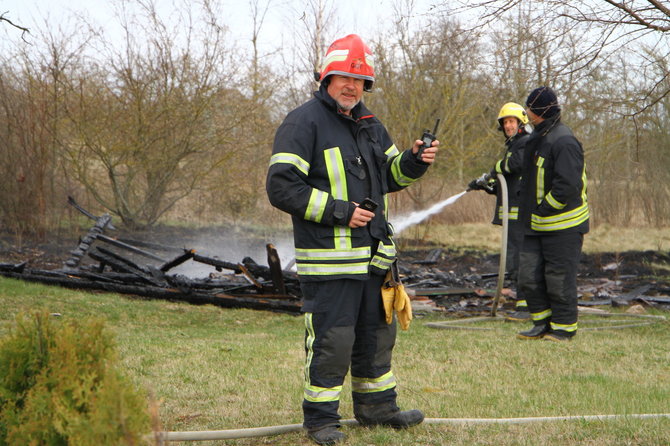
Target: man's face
510 126
534 119
347 91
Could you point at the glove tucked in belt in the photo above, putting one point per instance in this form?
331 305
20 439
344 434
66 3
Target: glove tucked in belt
395 298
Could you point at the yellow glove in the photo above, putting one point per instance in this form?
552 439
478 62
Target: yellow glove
403 306
388 297
394 297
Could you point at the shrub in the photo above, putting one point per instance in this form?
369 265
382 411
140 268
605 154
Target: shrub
60 384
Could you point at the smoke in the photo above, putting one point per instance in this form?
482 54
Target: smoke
234 249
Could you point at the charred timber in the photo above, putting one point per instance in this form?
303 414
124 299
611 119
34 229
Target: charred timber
133 249
252 267
219 299
122 264
85 243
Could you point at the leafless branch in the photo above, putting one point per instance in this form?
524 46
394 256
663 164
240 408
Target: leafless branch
23 30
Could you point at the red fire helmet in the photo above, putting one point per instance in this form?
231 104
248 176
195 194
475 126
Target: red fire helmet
349 56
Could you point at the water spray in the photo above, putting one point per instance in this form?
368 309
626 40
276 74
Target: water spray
417 217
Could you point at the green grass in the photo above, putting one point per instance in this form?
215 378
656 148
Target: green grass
213 369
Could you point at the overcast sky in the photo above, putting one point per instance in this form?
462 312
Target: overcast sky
363 17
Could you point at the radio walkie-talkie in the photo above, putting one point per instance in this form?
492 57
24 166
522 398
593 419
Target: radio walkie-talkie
368 205
428 138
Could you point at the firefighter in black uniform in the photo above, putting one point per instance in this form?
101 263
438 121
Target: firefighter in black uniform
512 121
330 154
555 214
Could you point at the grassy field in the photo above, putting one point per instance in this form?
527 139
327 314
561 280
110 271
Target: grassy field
209 368
602 238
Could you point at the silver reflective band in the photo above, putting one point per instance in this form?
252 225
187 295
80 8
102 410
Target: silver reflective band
328 269
368 385
345 254
290 158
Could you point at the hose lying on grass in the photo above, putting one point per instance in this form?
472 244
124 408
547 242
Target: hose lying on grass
287 428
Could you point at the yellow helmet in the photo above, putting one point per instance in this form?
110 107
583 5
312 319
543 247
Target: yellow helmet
512 109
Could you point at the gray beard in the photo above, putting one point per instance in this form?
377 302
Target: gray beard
347 107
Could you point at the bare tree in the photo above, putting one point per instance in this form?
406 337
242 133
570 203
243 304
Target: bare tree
609 27
32 94
312 27
421 77
144 127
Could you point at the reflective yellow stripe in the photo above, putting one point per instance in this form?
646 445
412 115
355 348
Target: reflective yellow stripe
584 181
542 315
336 175
321 394
330 269
513 213
557 222
554 203
338 189
384 256
316 206
397 174
507 157
381 263
539 179
312 393
324 262
371 385
564 327
290 158
333 254
498 166
309 342
391 151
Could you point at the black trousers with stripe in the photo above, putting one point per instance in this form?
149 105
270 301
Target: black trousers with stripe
345 328
548 275
514 242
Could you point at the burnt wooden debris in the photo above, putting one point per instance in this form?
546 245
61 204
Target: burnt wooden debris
101 262
142 268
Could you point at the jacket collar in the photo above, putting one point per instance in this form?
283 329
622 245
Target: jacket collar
545 126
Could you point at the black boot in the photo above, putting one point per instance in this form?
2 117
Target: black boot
386 415
327 435
519 315
559 336
404 419
537 332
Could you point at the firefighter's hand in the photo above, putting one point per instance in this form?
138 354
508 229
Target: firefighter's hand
429 153
360 218
474 185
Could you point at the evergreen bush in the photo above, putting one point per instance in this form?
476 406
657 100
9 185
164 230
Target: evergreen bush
61 384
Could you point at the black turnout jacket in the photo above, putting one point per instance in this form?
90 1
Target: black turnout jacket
553 189
322 162
511 167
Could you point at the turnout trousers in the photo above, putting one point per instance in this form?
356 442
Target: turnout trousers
345 328
548 279
514 243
